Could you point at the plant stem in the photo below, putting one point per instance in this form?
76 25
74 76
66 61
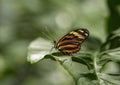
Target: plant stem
69 72
95 67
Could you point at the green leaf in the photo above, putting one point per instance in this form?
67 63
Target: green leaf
110 67
86 81
113 41
59 54
49 57
83 61
84 58
90 76
38 49
112 79
112 54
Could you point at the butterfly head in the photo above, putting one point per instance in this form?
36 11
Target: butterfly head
85 32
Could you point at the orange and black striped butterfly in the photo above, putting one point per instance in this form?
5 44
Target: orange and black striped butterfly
71 42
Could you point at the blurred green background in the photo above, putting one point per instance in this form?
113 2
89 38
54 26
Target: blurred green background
21 21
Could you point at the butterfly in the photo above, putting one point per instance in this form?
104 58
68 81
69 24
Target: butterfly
71 42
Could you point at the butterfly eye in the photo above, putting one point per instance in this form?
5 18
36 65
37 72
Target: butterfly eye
86 34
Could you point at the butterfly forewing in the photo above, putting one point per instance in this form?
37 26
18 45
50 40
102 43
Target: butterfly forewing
71 42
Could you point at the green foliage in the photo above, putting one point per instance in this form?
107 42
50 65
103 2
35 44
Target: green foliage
95 62
22 21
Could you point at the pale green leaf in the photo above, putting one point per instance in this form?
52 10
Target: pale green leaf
38 49
115 80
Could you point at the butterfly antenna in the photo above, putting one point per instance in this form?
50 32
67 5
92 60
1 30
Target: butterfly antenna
45 35
49 34
51 38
